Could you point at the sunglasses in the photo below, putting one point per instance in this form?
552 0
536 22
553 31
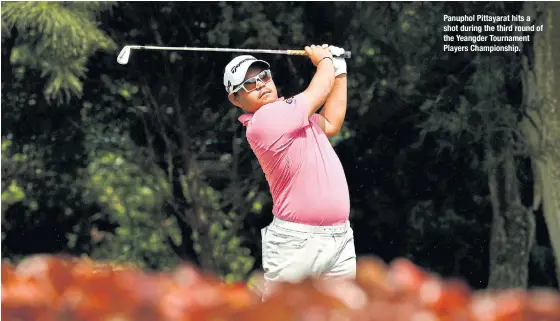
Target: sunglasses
251 84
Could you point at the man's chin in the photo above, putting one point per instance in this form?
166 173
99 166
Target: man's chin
268 98
263 100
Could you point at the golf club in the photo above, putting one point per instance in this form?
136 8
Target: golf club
124 55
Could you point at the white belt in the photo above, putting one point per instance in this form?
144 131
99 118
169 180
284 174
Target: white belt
341 228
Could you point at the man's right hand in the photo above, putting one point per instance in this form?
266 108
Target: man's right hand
316 53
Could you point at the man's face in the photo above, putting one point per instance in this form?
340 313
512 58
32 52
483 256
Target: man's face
265 93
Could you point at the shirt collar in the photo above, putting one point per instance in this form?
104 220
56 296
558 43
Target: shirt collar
245 118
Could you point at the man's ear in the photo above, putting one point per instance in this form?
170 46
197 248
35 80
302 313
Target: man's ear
233 99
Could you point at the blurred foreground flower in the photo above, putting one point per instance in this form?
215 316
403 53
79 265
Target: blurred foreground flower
53 288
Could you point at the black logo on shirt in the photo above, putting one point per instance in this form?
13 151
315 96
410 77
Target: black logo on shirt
290 100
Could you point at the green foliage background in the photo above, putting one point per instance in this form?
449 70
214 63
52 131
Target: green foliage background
147 164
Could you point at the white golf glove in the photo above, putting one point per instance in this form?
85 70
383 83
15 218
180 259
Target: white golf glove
338 61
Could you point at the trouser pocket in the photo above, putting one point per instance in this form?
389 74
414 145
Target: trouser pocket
284 254
286 239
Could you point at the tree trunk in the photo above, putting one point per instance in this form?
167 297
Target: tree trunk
542 126
513 225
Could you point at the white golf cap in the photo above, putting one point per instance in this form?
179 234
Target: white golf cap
236 70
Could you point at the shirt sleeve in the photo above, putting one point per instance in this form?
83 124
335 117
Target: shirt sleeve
277 124
315 118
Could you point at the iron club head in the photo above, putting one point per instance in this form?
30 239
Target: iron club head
124 55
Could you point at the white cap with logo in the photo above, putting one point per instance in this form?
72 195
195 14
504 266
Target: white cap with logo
236 70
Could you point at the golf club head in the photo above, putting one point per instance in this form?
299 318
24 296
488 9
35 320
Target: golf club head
124 55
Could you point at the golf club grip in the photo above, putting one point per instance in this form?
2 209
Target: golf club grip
346 54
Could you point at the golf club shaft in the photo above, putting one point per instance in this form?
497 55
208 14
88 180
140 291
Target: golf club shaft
346 54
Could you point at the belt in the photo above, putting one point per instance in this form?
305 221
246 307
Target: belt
340 228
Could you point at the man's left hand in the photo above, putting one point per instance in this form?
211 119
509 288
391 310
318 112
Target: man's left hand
338 62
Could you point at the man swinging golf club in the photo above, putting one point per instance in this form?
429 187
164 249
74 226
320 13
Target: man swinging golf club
310 234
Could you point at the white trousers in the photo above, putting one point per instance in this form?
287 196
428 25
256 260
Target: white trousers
292 252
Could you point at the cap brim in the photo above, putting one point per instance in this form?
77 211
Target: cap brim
245 67
258 62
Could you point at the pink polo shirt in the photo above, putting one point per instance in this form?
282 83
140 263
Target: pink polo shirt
305 176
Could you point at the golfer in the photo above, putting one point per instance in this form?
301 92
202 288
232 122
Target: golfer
310 235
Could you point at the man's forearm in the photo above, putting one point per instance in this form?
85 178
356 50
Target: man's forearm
320 87
334 109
